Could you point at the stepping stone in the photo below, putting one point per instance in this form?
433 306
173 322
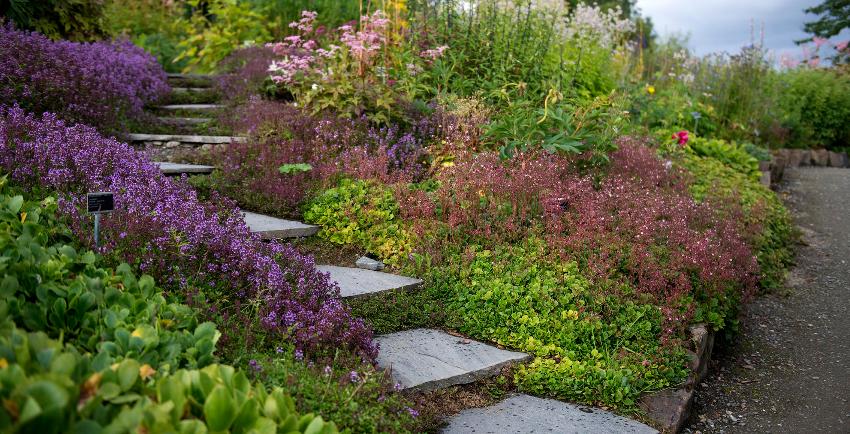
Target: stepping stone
190 89
184 121
270 228
355 282
191 107
172 169
425 359
529 414
193 80
184 138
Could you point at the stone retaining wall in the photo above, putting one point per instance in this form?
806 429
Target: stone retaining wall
173 151
790 158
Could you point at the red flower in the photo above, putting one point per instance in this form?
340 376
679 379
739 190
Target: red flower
681 137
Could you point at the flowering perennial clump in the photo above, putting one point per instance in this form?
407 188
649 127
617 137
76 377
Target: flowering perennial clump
189 246
100 84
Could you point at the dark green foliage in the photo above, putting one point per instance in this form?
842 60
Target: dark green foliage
834 16
77 20
816 106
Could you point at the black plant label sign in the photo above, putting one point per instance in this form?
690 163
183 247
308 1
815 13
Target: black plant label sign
100 202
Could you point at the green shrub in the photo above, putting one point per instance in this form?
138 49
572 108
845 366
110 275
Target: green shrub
590 346
361 213
816 104
729 153
49 286
77 20
48 387
764 213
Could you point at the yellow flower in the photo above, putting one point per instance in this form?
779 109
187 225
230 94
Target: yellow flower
136 333
145 371
650 89
3 363
23 217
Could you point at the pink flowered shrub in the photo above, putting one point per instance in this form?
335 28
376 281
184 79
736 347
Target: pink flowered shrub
254 289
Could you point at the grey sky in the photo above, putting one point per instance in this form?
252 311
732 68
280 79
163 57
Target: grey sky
724 25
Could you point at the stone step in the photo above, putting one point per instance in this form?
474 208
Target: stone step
190 80
529 414
354 282
184 121
197 108
190 89
176 169
269 227
215 140
426 359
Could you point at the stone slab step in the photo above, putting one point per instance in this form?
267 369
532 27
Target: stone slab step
191 107
426 359
355 282
190 89
269 227
174 169
529 414
184 138
184 121
193 80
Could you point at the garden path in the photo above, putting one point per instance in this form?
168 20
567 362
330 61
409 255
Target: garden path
790 371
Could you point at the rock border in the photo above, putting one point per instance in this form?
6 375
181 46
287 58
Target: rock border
791 158
669 409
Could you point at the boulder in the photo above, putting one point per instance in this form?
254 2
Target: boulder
795 157
368 263
820 157
838 159
668 408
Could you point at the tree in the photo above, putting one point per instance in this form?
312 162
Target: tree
834 17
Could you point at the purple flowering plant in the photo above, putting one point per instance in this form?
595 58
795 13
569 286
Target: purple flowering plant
255 289
103 84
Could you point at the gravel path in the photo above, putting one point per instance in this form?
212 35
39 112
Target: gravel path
790 370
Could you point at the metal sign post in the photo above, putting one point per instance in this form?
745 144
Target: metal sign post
99 203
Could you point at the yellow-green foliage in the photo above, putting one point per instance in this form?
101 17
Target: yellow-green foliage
589 346
773 245
361 213
729 153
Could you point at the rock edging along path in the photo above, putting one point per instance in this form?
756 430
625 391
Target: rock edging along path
789 371
529 414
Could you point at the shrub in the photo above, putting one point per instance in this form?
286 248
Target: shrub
816 104
49 387
160 226
80 20
102 84
364 214
98 309
729 153
765 219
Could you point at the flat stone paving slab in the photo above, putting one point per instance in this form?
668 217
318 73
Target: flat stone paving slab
426 359
275 228
136 137
529 414
191 107
184 121
355 282
179 169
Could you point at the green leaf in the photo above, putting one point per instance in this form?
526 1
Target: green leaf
128 373
219 409
290 168
15 204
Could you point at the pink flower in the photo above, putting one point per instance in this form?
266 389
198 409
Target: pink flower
681 137
814 62
819 42
434 53
841 46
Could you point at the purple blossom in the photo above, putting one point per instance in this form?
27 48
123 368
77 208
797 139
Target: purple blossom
181 241
100 83
353 376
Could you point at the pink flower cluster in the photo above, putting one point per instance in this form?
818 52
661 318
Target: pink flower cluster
298 51
681 137
434 53
366 42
